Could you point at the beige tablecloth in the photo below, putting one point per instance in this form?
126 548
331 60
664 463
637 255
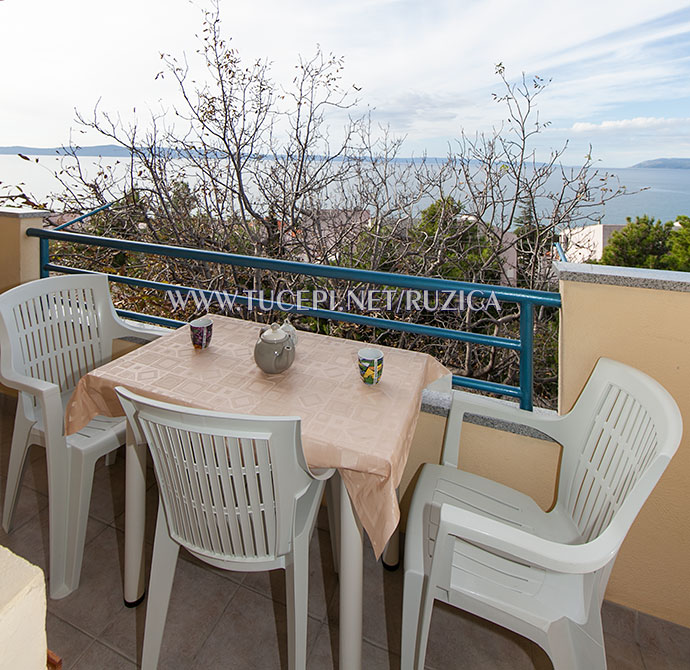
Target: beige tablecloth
364 431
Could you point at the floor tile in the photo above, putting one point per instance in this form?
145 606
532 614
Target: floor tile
108 492
458 640
619 621
382 602
198 599
29 503
100 657
658 661
623 655
30 538
35 474
657 636
99 598
252 633
324 655
66 641
322 579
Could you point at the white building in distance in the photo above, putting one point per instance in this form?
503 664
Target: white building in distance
586 243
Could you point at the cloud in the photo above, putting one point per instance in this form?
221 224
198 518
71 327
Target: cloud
637 124
426 68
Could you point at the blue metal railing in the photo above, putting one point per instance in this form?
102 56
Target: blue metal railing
62 226
560 252
526 299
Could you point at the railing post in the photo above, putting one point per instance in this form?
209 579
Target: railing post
526 354
44 255
19 254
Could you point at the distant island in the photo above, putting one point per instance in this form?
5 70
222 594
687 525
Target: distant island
117 151
670 163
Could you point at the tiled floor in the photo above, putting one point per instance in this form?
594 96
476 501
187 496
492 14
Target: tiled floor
220 620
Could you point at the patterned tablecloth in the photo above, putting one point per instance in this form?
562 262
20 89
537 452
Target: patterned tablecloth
364 431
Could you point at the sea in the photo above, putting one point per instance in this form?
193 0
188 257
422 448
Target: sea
660 193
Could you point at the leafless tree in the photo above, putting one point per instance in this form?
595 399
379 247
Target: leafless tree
241 164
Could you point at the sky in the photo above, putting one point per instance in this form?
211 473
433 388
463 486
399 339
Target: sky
619 70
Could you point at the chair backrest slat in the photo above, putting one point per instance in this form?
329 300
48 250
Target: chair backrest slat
621 416
219 531
58 331
230 501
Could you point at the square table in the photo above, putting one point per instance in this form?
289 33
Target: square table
364 431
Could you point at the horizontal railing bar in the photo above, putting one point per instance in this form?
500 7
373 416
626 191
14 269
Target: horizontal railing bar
334 315
507 293
487 386
84 216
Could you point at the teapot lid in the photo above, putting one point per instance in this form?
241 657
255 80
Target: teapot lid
274 334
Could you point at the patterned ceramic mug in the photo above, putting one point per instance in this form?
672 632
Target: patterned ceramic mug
370 365
201 331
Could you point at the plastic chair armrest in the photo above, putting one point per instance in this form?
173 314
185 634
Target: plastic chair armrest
518 544
36 387
147 333
463 402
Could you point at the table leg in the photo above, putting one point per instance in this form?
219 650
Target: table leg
391 554
351 584
135 519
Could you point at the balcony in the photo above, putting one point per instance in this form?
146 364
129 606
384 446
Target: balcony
639 317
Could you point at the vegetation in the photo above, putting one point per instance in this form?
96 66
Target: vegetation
244 165
646 243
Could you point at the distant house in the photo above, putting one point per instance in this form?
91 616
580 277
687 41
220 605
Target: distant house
586 243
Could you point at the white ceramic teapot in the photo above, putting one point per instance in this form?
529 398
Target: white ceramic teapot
274 351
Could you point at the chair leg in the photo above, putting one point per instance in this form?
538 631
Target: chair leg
81 485
111 457
424 623
297 589
18 452
570 648
412 600
165 552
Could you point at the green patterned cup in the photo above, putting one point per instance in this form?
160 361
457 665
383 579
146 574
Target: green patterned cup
370 365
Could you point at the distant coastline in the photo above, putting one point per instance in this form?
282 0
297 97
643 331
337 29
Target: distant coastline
660 193
116 151
668 163
108 150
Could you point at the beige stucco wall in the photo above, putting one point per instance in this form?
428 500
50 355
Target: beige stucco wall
19 254
650 330
520 462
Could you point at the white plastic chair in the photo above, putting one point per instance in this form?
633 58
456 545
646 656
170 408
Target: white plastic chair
236 492
490 550
52 332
